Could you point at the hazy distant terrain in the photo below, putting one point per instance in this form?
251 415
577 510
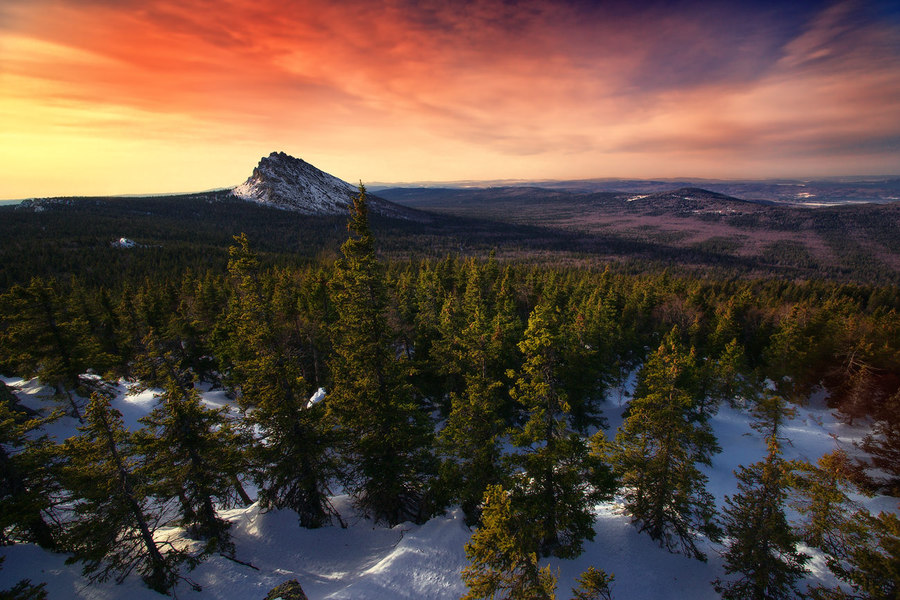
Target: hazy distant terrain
841 237
846 190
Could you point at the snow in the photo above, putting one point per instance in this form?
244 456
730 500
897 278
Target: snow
316 398
374 562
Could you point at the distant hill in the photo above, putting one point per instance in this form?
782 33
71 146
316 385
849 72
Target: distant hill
844 190
695 224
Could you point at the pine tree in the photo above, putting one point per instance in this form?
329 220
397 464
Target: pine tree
293 461
561 479
387 437
761 546
860 549
883 445
113 531
28 481
658 449
593 584
500 562
471 438
40 336
193 455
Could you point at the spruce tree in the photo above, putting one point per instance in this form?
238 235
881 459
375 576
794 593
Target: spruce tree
561 480
192 455
876 561
728 376
658 449
861 550
387 437
294 463
115 516
471 438
588 358
28 478
761 546
41 336
293 460
883 445
821 496
501 562
593 584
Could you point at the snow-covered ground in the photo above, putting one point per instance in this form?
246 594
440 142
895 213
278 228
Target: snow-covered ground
366 561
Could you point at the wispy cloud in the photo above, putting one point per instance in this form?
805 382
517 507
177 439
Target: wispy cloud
491 88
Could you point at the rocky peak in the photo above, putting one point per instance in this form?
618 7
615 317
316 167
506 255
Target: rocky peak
282 181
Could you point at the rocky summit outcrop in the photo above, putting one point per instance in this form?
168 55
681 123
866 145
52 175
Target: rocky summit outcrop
288 183
282 181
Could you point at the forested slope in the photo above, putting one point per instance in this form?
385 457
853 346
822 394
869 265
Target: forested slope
470 382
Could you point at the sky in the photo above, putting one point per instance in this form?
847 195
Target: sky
153 96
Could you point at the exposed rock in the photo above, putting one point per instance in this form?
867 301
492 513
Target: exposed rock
289 183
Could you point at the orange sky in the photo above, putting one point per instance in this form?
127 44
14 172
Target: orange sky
129 96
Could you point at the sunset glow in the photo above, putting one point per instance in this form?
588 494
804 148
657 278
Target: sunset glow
149 96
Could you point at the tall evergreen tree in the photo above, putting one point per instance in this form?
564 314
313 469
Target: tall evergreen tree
28 482
471 437
875 563
192 455
728 375
293 461
115 519
883 445
589 358
658 448
821 495
761 546
387 436
41 336
502 563
860 549
561 479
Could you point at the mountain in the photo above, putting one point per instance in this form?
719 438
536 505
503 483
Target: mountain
283 181
822 192
691 200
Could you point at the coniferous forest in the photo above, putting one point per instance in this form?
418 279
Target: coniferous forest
473 379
